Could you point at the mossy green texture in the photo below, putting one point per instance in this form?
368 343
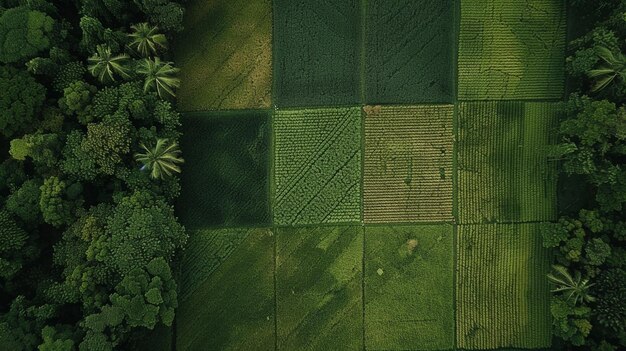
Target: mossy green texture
225 55
502 294
317 53
225 180
317 166
505 170
511 49
319 288
409 51
409 292
233 309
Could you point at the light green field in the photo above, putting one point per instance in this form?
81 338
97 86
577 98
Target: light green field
505 174
225 55
233 308
409 291
502 294
319 288
407 174
317 166
511 49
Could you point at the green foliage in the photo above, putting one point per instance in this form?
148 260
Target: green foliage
597 251
107 142
23 34
76 98
573 288
106 66
55 341
76 161
24 202
56 209
12 240
570 322
142 227
41 148
613 68
166 14
159 76
162 159
146 39
20 101
68 74
610 310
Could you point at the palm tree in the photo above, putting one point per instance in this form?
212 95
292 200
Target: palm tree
159 76
162 159
572 287
105 66
614 66
146 39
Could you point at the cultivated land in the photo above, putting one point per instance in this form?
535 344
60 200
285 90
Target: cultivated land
370 208
225 54
511 49
407 174
502 299
409 51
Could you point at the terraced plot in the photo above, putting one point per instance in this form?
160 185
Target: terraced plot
502 292
233 309
409 51
319 288
409 295
505 174
511 49
225 175
408 164
317 166
317 53
225 55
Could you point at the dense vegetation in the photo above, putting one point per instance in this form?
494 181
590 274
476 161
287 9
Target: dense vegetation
589 300
88 163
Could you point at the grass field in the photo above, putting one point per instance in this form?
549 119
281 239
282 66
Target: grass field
317 52
225 54
502 295
511 49
407 174
409 51
225 178
224 313
319 288
505 174
409 292
317 166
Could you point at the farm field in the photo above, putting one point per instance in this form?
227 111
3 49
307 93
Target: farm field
387 191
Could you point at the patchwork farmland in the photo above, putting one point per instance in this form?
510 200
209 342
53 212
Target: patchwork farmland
368 175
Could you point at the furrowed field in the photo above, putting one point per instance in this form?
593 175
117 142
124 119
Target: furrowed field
386 190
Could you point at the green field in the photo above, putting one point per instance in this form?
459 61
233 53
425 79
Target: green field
505 174
409 290
225 179
317 166
402 205
407 174
502 295
511 49
409 51
227 313
319 288
225 55
316 46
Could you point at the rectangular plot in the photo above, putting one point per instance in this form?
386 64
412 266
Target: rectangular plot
233 309
317 166
225 55
409 48
505 174
225 178
502 292
317 52
319 288
408 164
511 49
409 299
